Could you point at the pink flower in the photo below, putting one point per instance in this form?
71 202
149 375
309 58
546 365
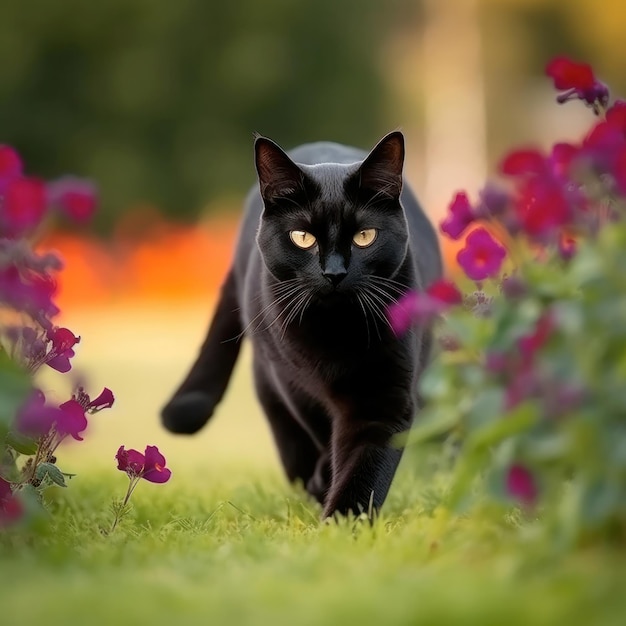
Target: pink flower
415 307
11 509
459 218
61 351
578 81
104 401
521 485
75 197
150 465
22 207
482 255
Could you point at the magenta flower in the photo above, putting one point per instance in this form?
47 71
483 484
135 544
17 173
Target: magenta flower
11 508
28 292
61 350
35 417
459 218
578 81
529 344
104 401
482 255
422 307
23 206
72 420
542 207
75 197
521 485
523 162
149 466
10 166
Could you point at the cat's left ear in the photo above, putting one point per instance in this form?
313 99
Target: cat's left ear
279 176
381 172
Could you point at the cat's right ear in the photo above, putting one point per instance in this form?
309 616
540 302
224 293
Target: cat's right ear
279 176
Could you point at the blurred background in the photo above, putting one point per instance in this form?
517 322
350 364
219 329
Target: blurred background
158 102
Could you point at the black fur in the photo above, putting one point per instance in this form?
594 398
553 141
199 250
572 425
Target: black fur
335 382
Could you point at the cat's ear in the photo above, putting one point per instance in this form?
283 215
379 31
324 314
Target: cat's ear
279 176
381 172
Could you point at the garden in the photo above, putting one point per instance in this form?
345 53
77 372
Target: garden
509 506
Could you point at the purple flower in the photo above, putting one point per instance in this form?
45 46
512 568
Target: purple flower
459 218
35 417
578 81
11 509
75 197
482 255
422 307
150 465
521 485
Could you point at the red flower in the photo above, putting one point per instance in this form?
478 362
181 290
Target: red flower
150 465
482 255
72 420
542 206
578 80
521 485
61 351
22 207
525 161
10 166
459 218
422 307
11 509
76 197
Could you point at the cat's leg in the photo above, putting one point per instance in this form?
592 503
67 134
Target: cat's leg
302 453
365 456
193 403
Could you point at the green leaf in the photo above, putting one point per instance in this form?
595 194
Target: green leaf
14 387
21 443
52 472
520 419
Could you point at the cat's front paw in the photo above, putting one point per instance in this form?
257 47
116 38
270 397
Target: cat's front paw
187 413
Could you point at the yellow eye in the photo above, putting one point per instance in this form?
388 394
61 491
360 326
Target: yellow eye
365 237
302 239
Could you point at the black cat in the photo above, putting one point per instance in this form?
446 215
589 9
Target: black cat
330 238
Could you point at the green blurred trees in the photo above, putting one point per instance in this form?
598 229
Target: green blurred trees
158 100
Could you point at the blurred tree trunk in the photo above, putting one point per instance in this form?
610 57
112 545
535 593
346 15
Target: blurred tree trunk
455 117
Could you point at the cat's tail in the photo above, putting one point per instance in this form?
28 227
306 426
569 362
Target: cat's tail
194 401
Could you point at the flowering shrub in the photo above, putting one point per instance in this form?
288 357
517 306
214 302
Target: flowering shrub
31 426
531 386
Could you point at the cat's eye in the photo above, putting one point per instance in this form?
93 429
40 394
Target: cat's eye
302 239
365 237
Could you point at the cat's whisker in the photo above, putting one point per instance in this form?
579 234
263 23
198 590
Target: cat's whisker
374 310
293 288
367 324
295 305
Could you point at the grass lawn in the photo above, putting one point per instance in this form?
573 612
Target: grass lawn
227 541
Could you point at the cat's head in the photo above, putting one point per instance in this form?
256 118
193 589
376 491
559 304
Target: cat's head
332 226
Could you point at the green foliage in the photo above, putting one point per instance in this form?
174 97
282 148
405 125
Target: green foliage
158 102
246 549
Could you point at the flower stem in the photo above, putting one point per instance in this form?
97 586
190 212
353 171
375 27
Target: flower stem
119 511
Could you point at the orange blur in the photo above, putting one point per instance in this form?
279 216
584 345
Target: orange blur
165 262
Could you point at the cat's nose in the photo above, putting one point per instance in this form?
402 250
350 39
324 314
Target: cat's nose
334 269
334 277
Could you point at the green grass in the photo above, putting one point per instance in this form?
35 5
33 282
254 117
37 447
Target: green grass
227 541
248 549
